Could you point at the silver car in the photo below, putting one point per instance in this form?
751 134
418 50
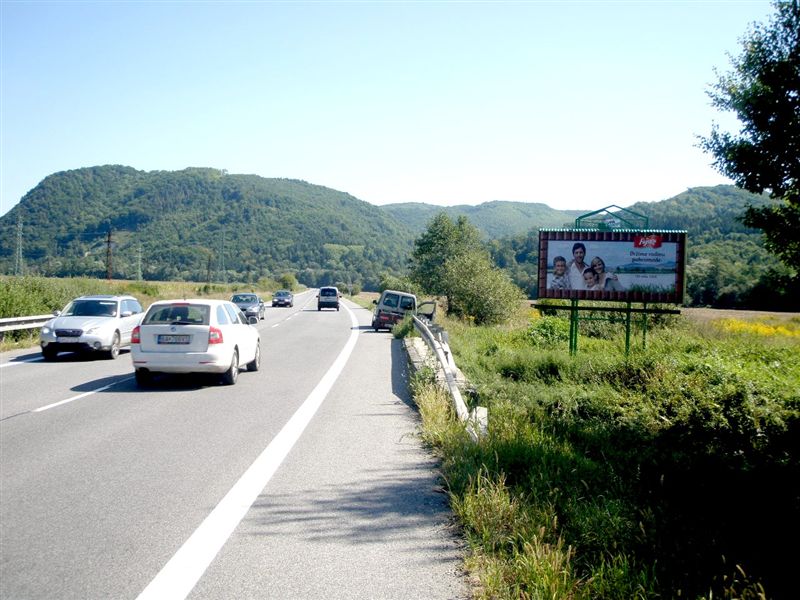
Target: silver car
250 304
91 324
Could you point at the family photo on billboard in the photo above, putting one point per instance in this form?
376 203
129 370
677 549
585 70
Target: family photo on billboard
638 265
577 274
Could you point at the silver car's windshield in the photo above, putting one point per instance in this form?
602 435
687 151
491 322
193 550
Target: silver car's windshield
241 298
90 308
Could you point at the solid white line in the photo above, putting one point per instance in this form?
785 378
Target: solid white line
79 396
21 362
182 572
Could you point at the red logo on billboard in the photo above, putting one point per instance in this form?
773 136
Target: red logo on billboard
647 241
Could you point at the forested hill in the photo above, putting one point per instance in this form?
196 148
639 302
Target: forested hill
207 225
197 224
495 219
704 212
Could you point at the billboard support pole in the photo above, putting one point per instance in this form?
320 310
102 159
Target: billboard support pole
573 327
574 319
628 330
644 326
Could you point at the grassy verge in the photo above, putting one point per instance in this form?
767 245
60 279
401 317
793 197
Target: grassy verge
670 473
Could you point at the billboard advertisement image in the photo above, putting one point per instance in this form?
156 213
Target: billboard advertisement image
632 266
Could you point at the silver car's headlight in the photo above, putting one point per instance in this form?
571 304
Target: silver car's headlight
46 330
91 330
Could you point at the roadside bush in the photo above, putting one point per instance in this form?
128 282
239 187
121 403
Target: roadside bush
288 281
404 328
402 284
548 330
479 291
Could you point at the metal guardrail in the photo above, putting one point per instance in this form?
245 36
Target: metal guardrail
15 323
476 420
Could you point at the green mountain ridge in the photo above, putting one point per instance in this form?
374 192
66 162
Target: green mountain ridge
495 219
203 224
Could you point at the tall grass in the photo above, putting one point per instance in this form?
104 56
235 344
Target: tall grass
671 472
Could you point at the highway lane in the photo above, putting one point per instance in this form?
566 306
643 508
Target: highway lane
98 494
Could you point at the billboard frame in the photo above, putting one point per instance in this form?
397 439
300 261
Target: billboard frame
634 237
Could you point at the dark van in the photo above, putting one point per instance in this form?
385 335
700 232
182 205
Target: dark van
328 297
394 305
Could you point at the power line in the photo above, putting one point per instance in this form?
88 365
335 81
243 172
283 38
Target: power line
109 270
18 265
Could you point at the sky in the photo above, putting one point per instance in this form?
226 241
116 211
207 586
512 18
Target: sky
574 104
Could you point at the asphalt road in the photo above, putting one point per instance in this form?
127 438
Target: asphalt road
304 480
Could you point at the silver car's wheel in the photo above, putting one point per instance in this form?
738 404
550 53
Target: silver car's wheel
255 364
113 352
230 376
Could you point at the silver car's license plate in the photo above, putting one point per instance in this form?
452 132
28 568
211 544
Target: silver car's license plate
68 340
174 339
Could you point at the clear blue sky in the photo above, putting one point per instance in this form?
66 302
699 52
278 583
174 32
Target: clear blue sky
573 104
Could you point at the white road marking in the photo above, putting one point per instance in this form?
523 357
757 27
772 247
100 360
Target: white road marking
79 396
182 572
20 362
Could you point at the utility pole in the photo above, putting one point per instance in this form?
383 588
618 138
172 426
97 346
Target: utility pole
139 263
109 270
222 259
18 266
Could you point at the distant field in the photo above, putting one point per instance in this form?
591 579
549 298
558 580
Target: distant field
712 314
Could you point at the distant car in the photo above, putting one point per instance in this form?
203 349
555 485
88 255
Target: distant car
283 298
101 324
250 304
195 336
328 297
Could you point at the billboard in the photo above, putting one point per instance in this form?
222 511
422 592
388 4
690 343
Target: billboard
622 266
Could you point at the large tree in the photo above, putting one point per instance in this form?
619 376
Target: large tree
442 240
763 89
450 260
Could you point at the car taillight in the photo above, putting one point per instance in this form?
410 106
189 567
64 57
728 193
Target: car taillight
214 336
136 336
